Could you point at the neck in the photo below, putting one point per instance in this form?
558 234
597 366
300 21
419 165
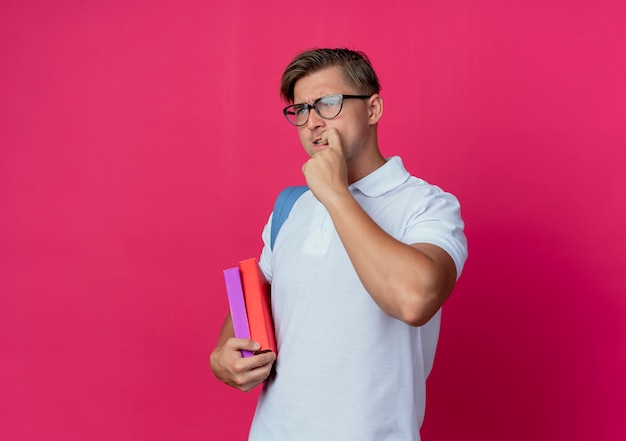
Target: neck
362 166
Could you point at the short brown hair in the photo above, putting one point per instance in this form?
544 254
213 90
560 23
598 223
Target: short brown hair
357 69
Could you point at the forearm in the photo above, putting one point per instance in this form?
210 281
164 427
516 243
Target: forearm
227 331
408 282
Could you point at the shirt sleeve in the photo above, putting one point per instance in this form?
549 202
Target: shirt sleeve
265 262
437 220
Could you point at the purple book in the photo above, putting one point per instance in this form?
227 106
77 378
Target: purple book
232 277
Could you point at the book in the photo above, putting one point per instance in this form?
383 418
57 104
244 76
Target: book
236 301
256 291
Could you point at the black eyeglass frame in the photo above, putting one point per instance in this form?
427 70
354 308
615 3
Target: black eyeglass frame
289 109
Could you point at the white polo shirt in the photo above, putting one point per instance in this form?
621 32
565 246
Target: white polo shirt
345 370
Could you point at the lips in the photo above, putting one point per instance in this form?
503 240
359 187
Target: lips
317 140
319 145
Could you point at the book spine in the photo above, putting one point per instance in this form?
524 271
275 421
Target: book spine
236 301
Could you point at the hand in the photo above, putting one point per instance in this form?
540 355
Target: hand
244 374
326 170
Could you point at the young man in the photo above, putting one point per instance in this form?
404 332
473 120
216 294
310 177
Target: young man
359 273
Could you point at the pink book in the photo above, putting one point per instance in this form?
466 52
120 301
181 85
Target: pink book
238 313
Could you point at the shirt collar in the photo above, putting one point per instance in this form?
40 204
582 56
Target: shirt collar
385 178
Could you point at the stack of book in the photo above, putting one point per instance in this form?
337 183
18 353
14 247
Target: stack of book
250 309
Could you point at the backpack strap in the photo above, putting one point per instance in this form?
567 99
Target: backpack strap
282 207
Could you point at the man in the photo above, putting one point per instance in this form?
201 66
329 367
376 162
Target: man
359 273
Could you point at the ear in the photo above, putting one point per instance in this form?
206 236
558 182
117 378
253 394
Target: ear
375 108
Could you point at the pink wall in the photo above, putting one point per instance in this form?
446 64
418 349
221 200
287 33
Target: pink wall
142 144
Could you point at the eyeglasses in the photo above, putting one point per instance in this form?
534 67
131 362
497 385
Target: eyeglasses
328 107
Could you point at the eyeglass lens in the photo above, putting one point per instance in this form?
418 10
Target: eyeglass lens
327 107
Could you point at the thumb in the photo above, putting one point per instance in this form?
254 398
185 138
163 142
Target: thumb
252 345
245 344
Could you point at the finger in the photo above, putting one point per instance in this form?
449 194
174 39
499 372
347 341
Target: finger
254 362
261 359
332 138
249 379
252 367
267 357
249 372
255 377
243 344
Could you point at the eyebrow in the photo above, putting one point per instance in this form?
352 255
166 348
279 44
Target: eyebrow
295 103
322 96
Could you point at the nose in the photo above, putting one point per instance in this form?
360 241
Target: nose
315 120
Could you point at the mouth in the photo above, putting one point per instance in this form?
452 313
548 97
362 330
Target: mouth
318 142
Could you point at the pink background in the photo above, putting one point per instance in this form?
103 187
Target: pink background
142 145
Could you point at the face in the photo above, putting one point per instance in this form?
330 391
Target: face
353 123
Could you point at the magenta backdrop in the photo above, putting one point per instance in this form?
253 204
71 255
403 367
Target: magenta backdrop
142 144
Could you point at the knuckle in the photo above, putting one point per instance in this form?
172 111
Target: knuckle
239 380
238 367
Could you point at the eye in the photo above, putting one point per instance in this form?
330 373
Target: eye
300 109
330 101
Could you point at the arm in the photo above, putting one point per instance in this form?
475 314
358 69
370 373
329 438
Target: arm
231 368
408 282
